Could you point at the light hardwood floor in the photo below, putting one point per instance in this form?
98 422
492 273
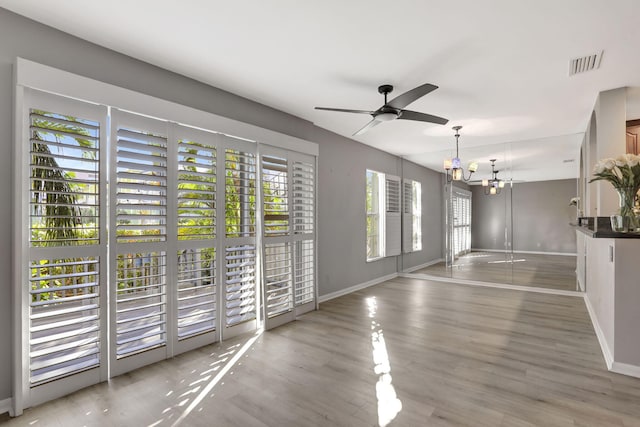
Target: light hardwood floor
442 354
542 271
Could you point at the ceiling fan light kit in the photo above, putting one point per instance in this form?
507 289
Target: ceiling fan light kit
454 165
394 109
494 185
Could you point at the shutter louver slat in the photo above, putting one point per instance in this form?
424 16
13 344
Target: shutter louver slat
64 317
303 197
304 272
64 181
407 225
393 219
196 292
240 192
140 302
275 196
141 186
240 284
278 279
196 190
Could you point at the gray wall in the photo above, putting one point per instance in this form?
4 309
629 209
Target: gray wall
341 173
541 217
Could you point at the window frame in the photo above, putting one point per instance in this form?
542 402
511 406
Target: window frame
375 213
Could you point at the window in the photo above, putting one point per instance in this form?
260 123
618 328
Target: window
412 216
375 221
384 237
461 222
138 236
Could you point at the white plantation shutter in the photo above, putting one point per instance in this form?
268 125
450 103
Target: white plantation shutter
407 216
461 221
288 200
393 218
411 216
139 321
118 277
416 217
303 212
277 248
240 275
196 198
64 274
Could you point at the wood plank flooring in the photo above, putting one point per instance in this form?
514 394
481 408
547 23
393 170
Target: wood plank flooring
536 270
407 352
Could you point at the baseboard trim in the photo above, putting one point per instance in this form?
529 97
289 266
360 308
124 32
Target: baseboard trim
524 252
6 406
604 347
425 265
354 288
625 369
492 285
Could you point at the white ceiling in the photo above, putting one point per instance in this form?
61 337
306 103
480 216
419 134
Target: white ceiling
501 65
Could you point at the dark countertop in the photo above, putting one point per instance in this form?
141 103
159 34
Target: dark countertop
600 227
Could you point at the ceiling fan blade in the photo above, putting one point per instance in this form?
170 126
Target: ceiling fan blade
408 97
368 126
422 117
342 110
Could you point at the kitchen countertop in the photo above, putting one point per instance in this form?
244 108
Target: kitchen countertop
600 227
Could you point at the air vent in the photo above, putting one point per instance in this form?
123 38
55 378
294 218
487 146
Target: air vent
568 160
585 63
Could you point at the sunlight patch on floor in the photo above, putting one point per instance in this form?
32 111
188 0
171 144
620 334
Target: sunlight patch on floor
219 376
388 403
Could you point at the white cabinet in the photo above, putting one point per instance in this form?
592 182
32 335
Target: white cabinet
581 260
613 296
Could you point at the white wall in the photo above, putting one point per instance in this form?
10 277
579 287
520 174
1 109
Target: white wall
341 173
610 116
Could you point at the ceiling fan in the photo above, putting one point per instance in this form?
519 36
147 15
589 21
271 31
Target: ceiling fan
392 110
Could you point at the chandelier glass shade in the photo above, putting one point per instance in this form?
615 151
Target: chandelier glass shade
453 166
494 185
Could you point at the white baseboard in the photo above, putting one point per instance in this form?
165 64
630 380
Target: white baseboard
425 265
345 291
626 369
6 406
606 352
502 251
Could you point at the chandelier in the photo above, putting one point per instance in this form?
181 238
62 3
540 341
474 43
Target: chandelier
494 185
455 165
